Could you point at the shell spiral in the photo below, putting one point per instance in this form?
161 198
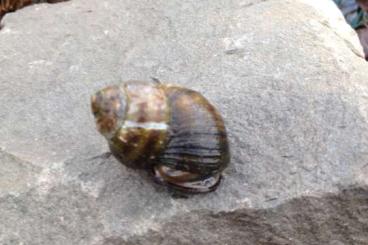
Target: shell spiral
171 131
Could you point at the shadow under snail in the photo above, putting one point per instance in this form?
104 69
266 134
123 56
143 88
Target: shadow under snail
171 131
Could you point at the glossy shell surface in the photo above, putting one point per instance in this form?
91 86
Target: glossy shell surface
171 131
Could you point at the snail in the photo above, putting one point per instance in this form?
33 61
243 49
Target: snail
172 132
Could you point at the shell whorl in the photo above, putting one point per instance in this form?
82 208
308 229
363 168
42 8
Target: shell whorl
144 131
198 141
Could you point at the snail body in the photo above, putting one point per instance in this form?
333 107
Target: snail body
171 131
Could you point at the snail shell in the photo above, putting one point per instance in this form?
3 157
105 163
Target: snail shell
171 131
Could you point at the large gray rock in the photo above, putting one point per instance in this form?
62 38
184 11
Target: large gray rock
288 77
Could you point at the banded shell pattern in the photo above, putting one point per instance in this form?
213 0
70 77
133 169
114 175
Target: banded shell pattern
171 131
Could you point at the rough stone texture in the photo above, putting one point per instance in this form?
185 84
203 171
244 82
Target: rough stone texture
288 77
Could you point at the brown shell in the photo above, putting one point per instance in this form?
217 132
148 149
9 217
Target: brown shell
136 144
173 132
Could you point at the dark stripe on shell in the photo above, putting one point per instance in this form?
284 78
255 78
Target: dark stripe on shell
198 140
